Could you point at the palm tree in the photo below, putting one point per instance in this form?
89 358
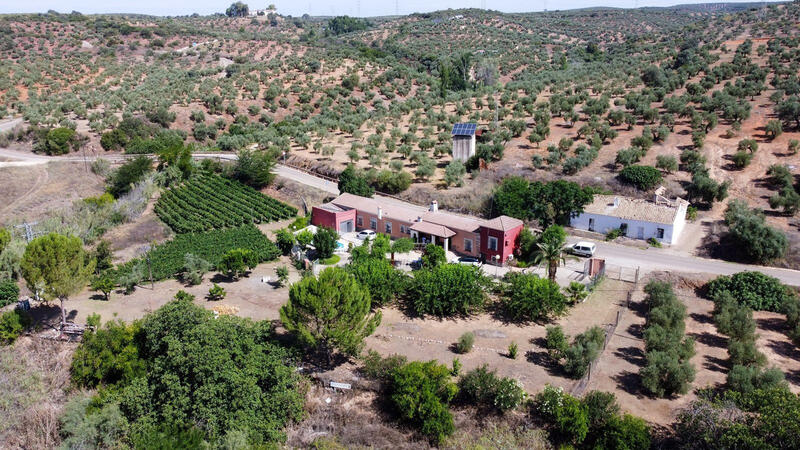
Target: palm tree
576 292
552 253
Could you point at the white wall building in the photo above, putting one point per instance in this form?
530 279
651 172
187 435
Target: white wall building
662 219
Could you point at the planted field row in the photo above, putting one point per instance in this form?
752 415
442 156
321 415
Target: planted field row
212 202
168 259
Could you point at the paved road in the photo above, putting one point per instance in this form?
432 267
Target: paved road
6 125
648 260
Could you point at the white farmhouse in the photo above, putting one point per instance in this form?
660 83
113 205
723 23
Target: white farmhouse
662 219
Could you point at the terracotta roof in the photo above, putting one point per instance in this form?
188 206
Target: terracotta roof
632 209
434 229
448 219
398 210
503 223
370 206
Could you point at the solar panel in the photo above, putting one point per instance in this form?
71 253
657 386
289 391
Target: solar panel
464 129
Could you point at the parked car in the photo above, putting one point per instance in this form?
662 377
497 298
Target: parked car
366 234
470 261
584 249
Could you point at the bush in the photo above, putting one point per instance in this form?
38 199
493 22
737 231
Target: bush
12 325
237 261
752 289
108 356
9 292
129 174
564 412
216 292
465 343
380 368
448 290
421 393
746 379
513 350
384 282
556 342
585 348
528 297
741 159
352 181
485 389
643 177
284 240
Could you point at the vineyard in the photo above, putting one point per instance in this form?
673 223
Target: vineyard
211 202
169 258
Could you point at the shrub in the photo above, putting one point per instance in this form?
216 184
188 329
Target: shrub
108 356
433 256
513 350
128 174
741 159
284 240
421 392
194 269
643 177
237 261
384 282
216 292
566 414
752 289
556 342
465 343
448 290
528 297
12 325
352 181
746 379
9 292
585 348
379 368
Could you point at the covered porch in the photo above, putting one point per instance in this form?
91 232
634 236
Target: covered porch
429 233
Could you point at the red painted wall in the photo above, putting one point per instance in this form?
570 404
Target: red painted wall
324 218
506 243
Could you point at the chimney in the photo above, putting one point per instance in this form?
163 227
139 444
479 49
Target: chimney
380 213
419 218
616 202
434 206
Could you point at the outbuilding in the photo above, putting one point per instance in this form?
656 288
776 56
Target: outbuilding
661 219
464 141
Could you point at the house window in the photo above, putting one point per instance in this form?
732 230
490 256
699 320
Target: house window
468 245
388 227
591 224
360 221
373 223
402 229
660 233
624 228
492 243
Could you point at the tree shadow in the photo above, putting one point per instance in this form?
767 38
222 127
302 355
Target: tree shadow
793 376
542 359
633 355
776 324
715 364
710 339
638 308
704 319
636 330
49 314
785 349
631 383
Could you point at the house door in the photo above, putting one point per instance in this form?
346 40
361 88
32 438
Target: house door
346 226
639 232
591 224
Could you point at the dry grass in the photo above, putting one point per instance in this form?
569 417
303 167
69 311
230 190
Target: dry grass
34 376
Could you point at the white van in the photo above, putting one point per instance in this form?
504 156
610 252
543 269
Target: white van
584 249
